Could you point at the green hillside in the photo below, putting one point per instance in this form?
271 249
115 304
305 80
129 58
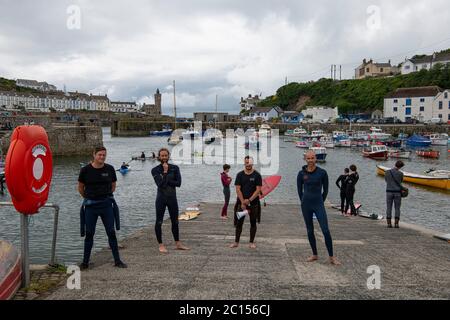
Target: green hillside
354 95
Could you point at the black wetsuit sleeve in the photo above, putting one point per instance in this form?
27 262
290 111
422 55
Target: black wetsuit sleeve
113 174
300 185
339 180
159 177
325 185
82 176
176 182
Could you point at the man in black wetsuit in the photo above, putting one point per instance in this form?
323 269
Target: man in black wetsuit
341 183
96 184
351 181
248 188
167 177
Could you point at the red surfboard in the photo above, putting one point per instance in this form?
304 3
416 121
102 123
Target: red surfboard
269 184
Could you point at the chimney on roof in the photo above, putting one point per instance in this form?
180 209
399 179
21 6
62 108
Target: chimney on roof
364 61
389 61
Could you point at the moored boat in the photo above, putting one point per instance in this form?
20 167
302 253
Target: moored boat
433 154
439 139
378 134
435 181
418 141
10 270
399 153
303 144
165 132
376 152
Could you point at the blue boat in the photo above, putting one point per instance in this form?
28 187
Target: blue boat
165 132
124 170
418 141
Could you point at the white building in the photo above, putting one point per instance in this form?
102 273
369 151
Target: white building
59 101
441 106
33 84
425 63
319 114
249 103
118 106
412 103
263 113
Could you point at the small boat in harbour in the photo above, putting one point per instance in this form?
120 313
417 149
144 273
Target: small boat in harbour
433 154
399 153
418 141
303 144
376 152
10 270
439 139
165 132
378 134
440 181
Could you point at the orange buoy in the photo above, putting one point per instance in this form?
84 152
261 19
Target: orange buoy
29 168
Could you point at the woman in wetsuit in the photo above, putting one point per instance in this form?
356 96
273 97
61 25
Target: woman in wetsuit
167 177
341 183
351 181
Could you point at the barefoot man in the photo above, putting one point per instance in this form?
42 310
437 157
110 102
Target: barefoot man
310 182
248 188
167 178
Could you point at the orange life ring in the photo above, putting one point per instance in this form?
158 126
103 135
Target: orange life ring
29 168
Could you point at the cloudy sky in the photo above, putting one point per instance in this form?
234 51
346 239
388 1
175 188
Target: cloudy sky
127 49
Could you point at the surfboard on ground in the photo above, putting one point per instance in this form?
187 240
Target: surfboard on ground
445 237
360 212
269 184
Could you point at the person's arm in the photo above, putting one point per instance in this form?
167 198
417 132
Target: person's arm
176 182
114 180
81 188
255 194
160 178
300 185
339 180
113 187
239 193
325 185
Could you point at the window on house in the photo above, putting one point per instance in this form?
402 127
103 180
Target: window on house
408 111
445 95
407 67
422 99
367 70
395 101
440 116
381 69
440 105
395 109
422 109
416 68
408 102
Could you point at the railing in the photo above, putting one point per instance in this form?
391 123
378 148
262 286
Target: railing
24 219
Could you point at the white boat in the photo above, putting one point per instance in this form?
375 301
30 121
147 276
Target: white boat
361 135
343 143
337 134
250 132
327 142
378 134
265 130
318 134
439 139
399 153
191 134
299 132
303 144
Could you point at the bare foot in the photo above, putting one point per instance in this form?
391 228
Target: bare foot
179 246
234 245
224 218
162 249
312 259
252 246
334 261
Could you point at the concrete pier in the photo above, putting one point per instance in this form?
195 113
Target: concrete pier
413 264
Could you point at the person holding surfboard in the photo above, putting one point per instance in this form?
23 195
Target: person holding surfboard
248 189
341 183
312 187
226 181
167 177
351 181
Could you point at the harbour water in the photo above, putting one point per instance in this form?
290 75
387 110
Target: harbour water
136 193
